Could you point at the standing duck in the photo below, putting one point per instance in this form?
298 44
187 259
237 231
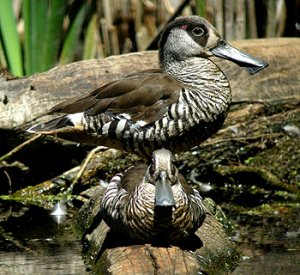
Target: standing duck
153 203
176 107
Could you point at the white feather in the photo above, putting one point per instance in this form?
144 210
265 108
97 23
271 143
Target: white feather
76 118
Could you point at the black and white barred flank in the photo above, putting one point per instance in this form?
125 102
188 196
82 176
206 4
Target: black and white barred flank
198 114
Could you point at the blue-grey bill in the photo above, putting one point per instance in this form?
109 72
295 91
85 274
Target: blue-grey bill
163 193
251 64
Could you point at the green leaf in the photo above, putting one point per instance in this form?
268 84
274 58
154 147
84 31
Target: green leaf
3 62
35 19
53 34
10 37
72 38
90 45
43 32
200 5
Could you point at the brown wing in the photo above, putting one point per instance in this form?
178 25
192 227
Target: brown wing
133 177
187 188
144 96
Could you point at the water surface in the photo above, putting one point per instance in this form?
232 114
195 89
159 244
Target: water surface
31 242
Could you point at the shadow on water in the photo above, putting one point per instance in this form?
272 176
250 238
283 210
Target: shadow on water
31 242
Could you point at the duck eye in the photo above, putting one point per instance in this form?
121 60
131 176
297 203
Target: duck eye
173 170
152 169
197 31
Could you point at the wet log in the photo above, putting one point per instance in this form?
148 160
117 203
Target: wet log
23 101
210 251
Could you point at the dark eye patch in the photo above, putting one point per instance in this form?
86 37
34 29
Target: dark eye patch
187 24
197 31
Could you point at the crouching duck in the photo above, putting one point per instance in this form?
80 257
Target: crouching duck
154 203
176 107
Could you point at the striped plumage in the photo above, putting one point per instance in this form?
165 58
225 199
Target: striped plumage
133 207
176 107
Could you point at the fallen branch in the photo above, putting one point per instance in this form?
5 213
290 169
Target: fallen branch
19 147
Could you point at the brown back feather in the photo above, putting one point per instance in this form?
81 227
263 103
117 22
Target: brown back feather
133 177
187 188
145 96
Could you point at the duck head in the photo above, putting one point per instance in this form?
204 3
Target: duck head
163 174
193 36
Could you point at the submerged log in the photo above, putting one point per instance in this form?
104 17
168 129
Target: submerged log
210 251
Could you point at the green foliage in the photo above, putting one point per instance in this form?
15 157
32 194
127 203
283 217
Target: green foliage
200 5
36 35
90 47
43 32
11 41
70 43
54 33
34 14
3 62
43 38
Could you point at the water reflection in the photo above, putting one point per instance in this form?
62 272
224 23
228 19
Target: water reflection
31 242
285 263
48 259
270 242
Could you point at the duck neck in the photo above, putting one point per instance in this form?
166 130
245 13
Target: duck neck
204 87
198 74
196 67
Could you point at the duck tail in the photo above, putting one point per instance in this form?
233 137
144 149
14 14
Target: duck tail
52 126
